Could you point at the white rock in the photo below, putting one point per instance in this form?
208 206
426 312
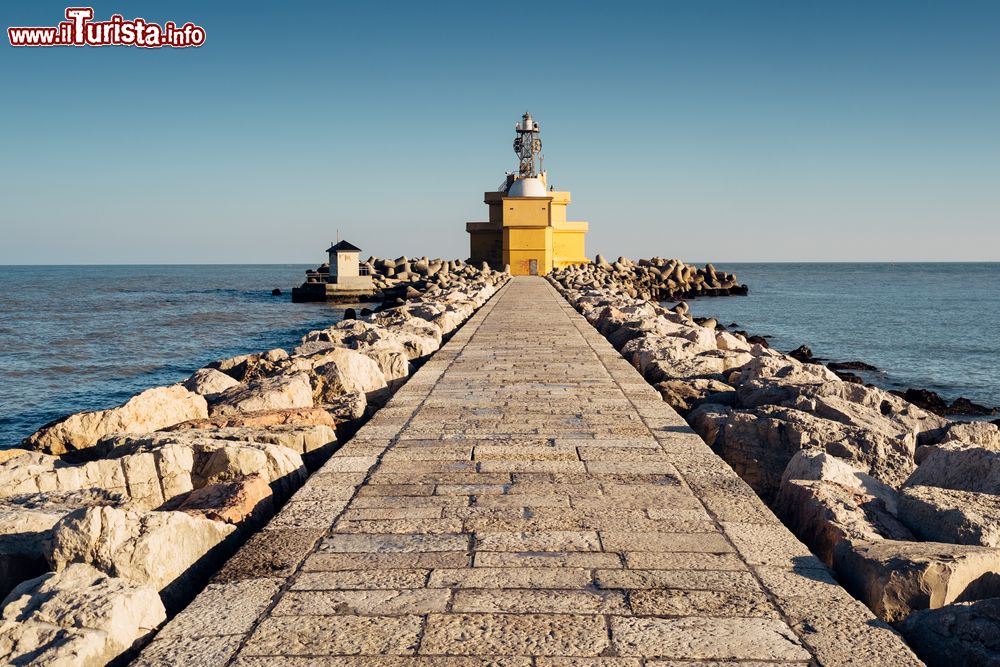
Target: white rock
982 434
342 371
825 514
959 466
392 359
420 338
947 515
146 548
76 617
645 351
26 520
187 460
300 438
346 333
153 409
208 381
759 444
347 407
767 366
816 465
727 341
40 473
270 393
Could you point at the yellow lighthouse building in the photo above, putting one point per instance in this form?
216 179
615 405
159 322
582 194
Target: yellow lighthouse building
527 227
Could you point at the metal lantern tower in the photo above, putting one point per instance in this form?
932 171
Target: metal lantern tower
528 146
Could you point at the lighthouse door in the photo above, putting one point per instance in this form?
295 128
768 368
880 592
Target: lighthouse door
533 267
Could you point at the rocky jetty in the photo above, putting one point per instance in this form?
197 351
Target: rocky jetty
657 279
934 402
903 504
111 520
405 277
922 398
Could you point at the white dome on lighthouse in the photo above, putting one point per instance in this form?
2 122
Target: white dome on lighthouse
527 187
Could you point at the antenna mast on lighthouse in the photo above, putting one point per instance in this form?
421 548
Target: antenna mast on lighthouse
528 146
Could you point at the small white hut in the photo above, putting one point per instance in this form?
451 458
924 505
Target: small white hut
345 263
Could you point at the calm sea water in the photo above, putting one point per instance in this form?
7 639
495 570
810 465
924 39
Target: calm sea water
88 337
84 338
931 326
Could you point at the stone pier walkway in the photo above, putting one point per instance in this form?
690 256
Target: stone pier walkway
526 499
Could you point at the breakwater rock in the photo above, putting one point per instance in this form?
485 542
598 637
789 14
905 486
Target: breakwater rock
112 520
903 504
403 277
656 279
922 398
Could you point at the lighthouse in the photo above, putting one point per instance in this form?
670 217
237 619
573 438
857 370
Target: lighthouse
527 227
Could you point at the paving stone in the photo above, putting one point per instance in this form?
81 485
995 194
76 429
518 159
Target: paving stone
386 513
714 663
325 493
660 602
666 542
525 453
547 559
329 603
349 464
327 561
272 553
514 634
587 662
544 465
190 651
540 601
380 661
357 543
396 490
707 638
400 526
766 544
522 500
499 578
471 489
306 514
417 468
408 502
223 609
543 541
654 560
335 635
693 580
360 579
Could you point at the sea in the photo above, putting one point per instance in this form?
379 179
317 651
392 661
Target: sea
924 325
88 337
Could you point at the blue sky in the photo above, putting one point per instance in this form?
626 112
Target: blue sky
725 131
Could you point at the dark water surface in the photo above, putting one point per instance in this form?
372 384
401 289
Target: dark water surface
932 326
88 337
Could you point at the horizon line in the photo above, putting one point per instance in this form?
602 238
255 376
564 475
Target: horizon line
781 261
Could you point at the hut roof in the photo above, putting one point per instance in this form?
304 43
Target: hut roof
343 246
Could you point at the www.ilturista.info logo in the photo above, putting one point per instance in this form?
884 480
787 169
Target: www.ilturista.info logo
80 30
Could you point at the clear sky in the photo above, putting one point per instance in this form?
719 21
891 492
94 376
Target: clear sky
726 131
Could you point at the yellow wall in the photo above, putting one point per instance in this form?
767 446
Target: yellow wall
485 245
568 247
523 244
521 229
559 202
494 200
525 212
